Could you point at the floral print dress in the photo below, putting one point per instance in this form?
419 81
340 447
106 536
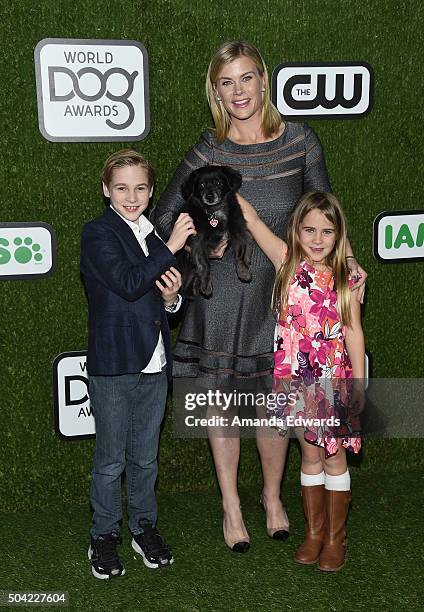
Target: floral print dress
312 363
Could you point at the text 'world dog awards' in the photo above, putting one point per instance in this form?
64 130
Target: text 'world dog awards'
92 90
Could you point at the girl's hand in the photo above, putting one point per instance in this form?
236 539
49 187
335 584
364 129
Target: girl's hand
359 276
183 228
249 213
170 285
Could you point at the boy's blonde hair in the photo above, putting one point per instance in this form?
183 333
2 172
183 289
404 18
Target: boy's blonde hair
126 157
226 53
330 207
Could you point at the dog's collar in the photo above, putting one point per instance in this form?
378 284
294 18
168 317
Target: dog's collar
213 221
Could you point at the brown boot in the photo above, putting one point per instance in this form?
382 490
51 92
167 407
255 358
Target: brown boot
314 508
333 552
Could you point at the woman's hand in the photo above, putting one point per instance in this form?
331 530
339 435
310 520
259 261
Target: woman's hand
183 228
249 213
218 253
170 285
359 276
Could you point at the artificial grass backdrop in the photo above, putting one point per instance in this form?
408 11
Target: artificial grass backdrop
374 165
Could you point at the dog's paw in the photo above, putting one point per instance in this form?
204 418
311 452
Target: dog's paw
206 288
246 276
243 272
195 286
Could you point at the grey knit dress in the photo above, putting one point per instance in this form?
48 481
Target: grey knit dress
230 335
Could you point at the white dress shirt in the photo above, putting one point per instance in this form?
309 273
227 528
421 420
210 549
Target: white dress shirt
141 231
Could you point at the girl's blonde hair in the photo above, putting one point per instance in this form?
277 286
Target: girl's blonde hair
330 207
226 53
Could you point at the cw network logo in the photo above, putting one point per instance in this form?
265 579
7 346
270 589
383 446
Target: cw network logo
27 250
92 90
73 416
331 90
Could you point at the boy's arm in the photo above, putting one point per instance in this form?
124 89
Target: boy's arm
103 258
355 343
273 247
169 286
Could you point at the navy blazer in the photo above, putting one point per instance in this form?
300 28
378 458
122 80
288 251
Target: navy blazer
125 308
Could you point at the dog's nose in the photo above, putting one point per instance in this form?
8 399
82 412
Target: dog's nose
210 197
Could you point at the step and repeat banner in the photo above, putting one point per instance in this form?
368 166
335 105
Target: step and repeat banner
98 90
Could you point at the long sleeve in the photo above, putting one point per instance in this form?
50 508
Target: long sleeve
171 199
104 259
315 176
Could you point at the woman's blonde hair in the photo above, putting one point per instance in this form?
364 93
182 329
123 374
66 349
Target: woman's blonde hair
336 260
226 53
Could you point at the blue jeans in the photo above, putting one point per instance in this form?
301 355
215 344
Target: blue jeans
128 411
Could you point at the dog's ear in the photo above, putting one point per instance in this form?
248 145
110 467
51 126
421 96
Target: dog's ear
187 188
233 177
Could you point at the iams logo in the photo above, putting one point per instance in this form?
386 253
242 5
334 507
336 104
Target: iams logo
331 90
27 250
72 413
399 236
92 90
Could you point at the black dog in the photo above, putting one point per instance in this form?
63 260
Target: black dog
210 198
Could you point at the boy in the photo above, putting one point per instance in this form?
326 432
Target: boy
131 282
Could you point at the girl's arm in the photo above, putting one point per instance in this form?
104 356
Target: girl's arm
355 342
273 247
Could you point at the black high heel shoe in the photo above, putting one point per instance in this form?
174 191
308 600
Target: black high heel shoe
276 533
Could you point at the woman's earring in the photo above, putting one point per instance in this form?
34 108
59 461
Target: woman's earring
218 99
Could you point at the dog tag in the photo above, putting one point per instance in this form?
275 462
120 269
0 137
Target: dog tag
213 221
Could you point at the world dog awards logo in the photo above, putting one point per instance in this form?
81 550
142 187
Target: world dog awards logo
73 416
92 90
27 250
332 90
399 236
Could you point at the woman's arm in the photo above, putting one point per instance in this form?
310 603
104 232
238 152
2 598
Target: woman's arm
356 273
171 200
273 247
315 177
355 342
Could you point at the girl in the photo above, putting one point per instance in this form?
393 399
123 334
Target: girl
319 352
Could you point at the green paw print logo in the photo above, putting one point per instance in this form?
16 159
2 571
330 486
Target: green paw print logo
26 250
23 251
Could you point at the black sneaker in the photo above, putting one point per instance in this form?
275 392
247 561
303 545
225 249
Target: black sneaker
152 547
104 559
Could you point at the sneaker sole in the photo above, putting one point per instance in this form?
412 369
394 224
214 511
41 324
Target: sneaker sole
146 562
102 576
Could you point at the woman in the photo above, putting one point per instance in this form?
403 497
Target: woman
229 337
